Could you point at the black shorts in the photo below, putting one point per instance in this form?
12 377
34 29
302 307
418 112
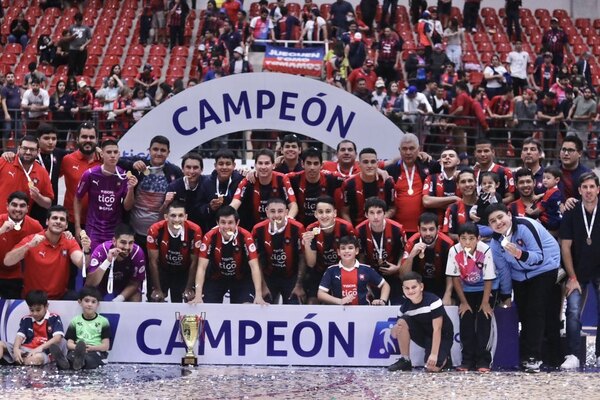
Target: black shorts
422 339
173 281
312 279
11 288
241 291
444 8
281 286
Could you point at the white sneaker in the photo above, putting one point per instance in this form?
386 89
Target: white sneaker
571 362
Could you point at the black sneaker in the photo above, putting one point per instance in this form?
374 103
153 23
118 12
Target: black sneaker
79 355
532 365
401 365
59 357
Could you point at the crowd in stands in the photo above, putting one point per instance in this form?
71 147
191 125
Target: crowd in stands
300 229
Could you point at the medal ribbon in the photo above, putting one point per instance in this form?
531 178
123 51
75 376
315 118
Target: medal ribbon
589 226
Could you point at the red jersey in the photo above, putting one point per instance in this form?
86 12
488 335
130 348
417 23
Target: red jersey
326 244
307 193
8 240
456 215
254 197
334 167
174 252
356 192
72 168
408 198
382 246
517 208
438 185
280 252
47 266
358 73
13 178
228 260
433 265
462 100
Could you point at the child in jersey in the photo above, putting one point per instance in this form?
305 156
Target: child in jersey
348 281
88 335
471 266
548 208
422 319
38 332
488 195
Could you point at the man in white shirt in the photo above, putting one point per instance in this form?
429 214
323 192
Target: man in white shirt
35 103
414 104
517 62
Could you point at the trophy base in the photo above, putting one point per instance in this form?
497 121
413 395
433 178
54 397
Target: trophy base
189 361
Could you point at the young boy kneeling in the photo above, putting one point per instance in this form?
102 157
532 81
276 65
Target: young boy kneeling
38 333
422 319
471 266
88 335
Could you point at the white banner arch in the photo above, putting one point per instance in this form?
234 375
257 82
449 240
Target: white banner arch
263 100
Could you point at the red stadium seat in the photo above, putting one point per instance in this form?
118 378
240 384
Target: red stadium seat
175 71
28 58
177 62
136 50
583 22
48 70
158 50
180 51
115 50
469 57
13 48
134 61
92 60
486 57
111 60
480 37
485 46
8 59
95 50
129 71
475 78
89 71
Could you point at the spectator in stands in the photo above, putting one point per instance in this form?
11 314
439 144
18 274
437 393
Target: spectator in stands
229 39
362 92
544 75
583 67
61 104
444 8
470 14
366 72
438 62
11 107
501 112
532 155
368 11
35 104
378 95
556 41
108 94
518 62
34 73
461 108
19 31
84 101
388 55
512 19
45 4
46 49
261 28
424 34
314 27
178 12
581 114
62 50
417 8
122 112
146 21
417 67
437 31
159 22
288 27
523 118
115 73
571 167
141 103
415 105
340 14
561 86
578 81
356 51
337 66
392 101
549 117
148 81
238 65
448 81
478 106
454 36
79 37
494 76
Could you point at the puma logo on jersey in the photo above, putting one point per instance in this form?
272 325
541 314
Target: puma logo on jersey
96 182
164 242
11 173
42 253
75 167
268 243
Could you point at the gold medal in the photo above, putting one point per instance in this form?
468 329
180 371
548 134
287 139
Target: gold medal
129 174
83 233
422 255
316 231
17 226
411 192
177 226
588 241
380 261
147 171
31 185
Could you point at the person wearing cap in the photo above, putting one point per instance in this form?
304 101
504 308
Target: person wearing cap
378 94
470 14
387 55
415 104
556 41
238 65
424 33
356 51
366 72
261 28
417 66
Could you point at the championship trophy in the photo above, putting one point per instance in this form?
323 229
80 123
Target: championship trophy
191 328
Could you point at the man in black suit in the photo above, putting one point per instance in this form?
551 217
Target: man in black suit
583 66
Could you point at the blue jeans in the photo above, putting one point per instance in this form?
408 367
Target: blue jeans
575 304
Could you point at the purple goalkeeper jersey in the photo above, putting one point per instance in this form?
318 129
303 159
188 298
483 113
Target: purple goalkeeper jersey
106 195
131 268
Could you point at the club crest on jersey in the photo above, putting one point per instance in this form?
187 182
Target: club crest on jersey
203 247
520 242
64 253
94 262
150 239
252 247
361 277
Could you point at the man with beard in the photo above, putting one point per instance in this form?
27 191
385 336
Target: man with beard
118 267
426 253
458 213
321 243
26 175
524 205
47 256
14 226
75 164
311 183
439 190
